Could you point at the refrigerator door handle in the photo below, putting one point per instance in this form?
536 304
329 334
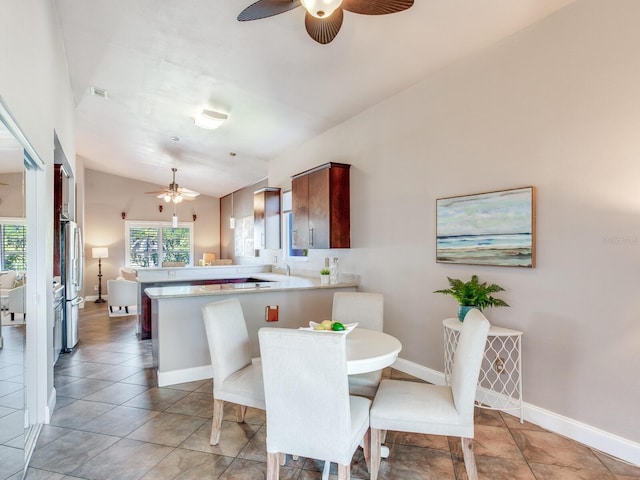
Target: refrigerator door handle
80 259
77 301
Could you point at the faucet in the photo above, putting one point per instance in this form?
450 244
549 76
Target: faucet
285 269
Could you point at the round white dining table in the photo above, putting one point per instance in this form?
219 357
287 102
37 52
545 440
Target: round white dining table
370 350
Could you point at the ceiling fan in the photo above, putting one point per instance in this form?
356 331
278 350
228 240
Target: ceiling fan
323 18
175 193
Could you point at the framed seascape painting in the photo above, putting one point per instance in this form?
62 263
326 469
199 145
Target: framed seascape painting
493 228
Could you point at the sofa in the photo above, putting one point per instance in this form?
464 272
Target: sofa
9 279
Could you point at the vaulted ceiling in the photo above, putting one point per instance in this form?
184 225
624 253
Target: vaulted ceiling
162 61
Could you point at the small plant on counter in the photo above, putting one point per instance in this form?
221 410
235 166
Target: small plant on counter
325 276
473 294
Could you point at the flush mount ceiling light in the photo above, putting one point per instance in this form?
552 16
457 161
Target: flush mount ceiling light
209 119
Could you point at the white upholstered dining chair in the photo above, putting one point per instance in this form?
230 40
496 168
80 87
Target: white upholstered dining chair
237 378
309 410
368 310
435 409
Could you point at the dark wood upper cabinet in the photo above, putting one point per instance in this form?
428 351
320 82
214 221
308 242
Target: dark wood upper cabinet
320 207
266 218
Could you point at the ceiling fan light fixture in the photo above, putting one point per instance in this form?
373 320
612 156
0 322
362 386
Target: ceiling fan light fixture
321 8
177 198
167 198
209 119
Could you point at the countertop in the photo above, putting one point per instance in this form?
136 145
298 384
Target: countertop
269 282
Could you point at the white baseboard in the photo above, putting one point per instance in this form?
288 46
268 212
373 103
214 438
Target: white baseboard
593 437
30 440
581 432
92 298
51 405
419 371
185 375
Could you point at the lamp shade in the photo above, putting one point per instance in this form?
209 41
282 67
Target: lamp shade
100 252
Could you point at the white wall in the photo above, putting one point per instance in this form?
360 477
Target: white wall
34 83
556 106
107 196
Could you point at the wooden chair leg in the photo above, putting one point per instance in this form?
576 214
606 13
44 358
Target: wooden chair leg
216 423
344 472
374 461
126 309
273 467
469 458
366 448
240 413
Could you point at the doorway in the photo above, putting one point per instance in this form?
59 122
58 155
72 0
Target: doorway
21 360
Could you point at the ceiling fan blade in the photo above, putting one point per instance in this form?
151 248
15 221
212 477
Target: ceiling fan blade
376 7
187 193
157 192
267 8
323 30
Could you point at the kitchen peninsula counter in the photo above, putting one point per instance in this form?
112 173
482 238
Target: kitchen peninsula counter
191 276
179 341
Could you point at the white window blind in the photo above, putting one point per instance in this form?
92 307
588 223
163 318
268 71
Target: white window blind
151 243
13 246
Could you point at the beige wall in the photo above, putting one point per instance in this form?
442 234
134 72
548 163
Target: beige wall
556 106
242 207
11 195
107 196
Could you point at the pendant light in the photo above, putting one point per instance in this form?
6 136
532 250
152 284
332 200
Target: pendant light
232 220
174 218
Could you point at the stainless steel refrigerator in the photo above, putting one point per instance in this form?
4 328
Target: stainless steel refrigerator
72 267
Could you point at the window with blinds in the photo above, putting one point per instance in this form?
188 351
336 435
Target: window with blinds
287 226
13 246
151 243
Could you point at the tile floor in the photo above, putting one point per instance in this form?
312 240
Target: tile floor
11 397
113 422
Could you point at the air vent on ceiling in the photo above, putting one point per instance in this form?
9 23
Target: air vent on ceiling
99 92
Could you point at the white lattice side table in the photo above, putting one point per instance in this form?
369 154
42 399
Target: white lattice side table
500 380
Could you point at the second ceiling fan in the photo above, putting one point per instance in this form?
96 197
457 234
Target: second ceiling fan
323 18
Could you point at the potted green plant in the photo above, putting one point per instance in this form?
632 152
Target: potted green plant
324 276
473 294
